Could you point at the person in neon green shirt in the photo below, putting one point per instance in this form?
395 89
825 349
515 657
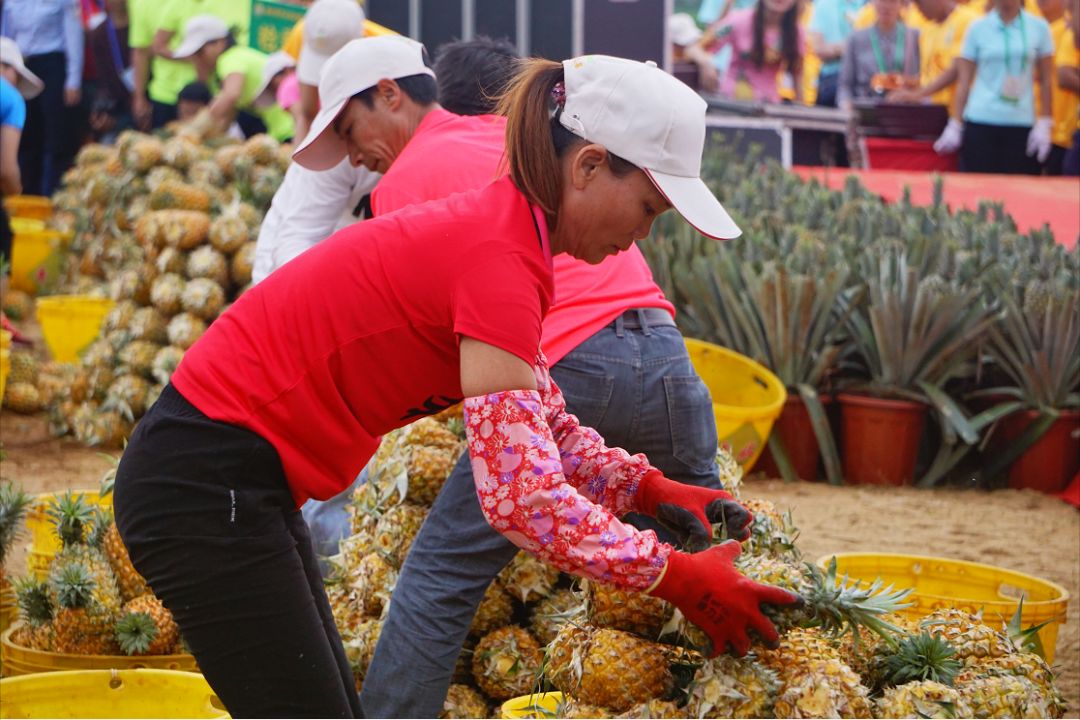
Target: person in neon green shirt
235 70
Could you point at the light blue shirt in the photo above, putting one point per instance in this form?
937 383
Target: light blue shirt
12 106
47 26
832 19
985 45
709 12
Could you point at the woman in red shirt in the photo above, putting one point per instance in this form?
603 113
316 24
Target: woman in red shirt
389 320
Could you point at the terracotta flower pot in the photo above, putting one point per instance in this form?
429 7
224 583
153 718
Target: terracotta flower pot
880 439
795 431
1051 462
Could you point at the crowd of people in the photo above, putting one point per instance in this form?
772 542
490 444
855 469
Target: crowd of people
1006 71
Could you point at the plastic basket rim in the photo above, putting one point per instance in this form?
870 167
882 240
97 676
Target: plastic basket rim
6 640
1063 593
742 412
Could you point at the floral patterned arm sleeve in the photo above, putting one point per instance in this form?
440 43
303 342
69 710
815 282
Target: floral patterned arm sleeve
524 496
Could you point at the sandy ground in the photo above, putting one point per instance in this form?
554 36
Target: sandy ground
1023 531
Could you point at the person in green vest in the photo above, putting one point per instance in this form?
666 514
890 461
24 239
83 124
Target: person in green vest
234 72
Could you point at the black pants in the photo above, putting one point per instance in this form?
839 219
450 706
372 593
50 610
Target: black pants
997 149
1070 164
209 521
1055 161
6 240
44 154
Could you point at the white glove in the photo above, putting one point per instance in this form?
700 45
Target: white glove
951 138
1038 143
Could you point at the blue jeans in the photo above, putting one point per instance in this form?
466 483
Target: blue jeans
638 389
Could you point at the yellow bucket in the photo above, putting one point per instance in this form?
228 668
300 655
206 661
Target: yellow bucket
747 398
70 323
538 705
974 587
110 694
28 206
20 660
44 543
35 259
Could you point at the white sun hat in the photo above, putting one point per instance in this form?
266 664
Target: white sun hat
359 65
275 63
646 116
328 25
682 30
29 85
198 31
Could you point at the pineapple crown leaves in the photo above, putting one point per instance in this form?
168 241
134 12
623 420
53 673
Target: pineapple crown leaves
922 657
135 632
1027 639
108 480
99 527
71 514
75 587
34 601
13 504
837 604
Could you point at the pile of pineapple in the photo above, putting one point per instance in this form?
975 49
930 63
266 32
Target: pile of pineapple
165 226
848 652
93 601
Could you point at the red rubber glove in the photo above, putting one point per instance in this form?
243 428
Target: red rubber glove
689 511
719 599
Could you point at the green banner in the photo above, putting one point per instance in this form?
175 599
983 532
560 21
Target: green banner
271 22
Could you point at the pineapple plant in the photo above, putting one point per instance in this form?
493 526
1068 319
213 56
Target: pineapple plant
80 624
506 662
528 578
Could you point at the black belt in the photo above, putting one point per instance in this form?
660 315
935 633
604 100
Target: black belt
643 318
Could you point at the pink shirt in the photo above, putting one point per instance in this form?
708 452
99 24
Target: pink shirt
451 153
288 92
744 80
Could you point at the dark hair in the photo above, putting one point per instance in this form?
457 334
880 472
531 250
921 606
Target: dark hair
535 139
421 89
471 74
195 92
789 38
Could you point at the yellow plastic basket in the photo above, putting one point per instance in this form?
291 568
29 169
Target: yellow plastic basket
110 694
747 398
70 323
538 705
5 368
28 206
35 259
20 660
44 543
974 587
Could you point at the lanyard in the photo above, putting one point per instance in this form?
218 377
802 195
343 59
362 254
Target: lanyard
898 59
1023 40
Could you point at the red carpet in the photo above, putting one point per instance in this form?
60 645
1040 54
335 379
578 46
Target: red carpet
1032 201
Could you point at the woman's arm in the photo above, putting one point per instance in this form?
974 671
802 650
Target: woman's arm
162 38
1045 71
10 179
224 105
965 72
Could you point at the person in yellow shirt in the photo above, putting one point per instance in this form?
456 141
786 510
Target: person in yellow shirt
941 37
910 15
1063 102
1068 79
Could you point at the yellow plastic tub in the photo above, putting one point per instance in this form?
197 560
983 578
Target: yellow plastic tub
70 323
5 359
110 694
35 259
974 587
539 705
20 660
44 543
28 206
747 398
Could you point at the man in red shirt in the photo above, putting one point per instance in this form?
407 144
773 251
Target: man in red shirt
610 337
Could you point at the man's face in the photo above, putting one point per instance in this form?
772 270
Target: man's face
374 135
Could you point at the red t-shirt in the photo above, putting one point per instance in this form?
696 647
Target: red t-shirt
359 335
452 153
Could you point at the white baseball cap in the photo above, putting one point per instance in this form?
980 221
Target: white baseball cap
198 31
646 116
275 63
328 25
682 30
29 85
359 65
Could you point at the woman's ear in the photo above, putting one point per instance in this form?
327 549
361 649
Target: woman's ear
586 163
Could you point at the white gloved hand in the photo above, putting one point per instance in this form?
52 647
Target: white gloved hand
951 138
1038 142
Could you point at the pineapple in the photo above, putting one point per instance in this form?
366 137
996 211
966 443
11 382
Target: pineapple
634 612
430 432
166 292
921 699
184 330
821 688
243 262
528 578
570 708
128 580
138 356
183 229
396 529
169 260
655 709
94 154
136 634
147 324
360 646
82 530
463 702
162 174
172 194
165 363
127 395
80 625
265 181
551 613
180 153
261 149
18 305
228 233
1006 696
373 578
772 533
428 469
24 368
919 657
203 298
506 662
730 687
133 284
166 634
607 667
495 610
972 639
205 173
1028 666
206 262
36 611
22 397
142 154
119 318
